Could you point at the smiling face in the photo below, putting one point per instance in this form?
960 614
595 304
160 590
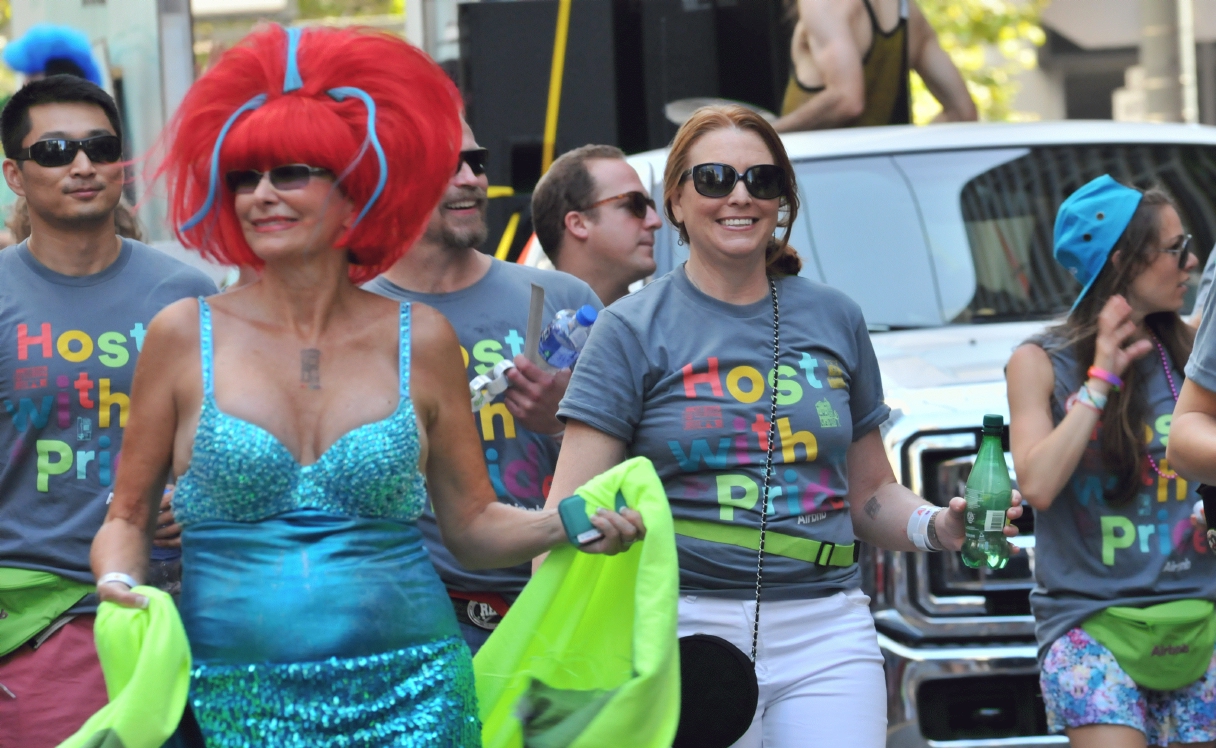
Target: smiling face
459 221
737 226
81 193
1161 285
293 223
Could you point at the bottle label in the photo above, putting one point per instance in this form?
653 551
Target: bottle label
994 520
973 527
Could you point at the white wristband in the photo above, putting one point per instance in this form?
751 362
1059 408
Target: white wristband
918 527
118 576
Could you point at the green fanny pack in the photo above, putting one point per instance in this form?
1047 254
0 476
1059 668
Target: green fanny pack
1162 647
30 601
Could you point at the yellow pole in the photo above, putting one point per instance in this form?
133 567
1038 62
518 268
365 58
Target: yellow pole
508 236
555 83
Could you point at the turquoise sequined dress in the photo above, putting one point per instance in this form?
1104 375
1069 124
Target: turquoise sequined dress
314 615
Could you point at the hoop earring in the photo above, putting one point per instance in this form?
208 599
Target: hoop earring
680 240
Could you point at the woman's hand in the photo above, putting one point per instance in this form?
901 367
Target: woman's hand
952 523
1115 326
121 594
620 531
168 532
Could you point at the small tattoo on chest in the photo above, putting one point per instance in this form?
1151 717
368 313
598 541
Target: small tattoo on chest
872 506
310 368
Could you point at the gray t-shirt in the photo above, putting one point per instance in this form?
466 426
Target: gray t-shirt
68 347
1205 284
1090 555
491 319
681 377
1202 365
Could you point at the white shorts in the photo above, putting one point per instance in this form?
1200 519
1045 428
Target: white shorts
817 663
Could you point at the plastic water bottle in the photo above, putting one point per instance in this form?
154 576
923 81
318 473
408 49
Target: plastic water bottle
989 496
562 340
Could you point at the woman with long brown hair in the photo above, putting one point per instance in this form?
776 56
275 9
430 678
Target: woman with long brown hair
1090 403
750 387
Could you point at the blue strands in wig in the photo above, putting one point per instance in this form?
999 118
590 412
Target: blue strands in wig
342 93
214 181
292 80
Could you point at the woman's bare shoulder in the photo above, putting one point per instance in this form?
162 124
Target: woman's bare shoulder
174 328
431 331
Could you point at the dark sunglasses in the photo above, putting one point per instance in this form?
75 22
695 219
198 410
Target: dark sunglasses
763 181
476 159
287 177
637 203
101 149
1182 247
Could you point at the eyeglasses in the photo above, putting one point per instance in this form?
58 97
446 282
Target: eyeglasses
1182 247
101 149
763 181
638 203
288 177
476 159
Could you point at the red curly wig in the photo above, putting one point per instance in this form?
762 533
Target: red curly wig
417 119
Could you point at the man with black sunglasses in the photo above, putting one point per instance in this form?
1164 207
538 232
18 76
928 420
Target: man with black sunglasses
487 302
75 302
595 221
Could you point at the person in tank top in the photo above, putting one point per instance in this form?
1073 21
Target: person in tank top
1113 521
308 422
849 63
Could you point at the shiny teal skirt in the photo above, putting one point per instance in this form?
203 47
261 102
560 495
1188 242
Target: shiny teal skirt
311 629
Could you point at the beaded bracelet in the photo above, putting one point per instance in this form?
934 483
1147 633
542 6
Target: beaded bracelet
1114 381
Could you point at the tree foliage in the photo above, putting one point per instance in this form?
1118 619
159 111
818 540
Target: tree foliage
335 8
991 42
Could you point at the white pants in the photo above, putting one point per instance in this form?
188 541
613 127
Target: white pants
817 663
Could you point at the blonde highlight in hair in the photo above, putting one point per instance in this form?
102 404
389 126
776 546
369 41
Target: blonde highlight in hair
780 257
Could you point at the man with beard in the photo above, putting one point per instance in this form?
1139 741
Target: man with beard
487 302
595 220
75 301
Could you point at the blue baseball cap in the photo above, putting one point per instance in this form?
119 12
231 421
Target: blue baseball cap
1089 224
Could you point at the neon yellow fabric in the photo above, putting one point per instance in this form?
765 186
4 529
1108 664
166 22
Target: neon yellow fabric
146 662
801 549
592 635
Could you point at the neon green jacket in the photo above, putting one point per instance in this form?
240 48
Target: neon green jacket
146 662
587 656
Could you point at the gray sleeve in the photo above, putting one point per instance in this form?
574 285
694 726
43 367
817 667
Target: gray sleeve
608 384
1205 283
866 404
1201 367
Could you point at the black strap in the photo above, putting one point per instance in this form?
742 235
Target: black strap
768 464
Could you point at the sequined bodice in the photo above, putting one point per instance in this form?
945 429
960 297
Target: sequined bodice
240 472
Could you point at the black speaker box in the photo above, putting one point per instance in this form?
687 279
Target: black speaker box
625 60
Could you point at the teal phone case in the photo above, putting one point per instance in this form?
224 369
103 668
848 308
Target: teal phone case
579 530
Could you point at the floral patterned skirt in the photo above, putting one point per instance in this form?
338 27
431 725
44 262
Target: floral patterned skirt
1084 685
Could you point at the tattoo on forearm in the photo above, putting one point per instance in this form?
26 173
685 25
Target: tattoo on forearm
872 507
310 368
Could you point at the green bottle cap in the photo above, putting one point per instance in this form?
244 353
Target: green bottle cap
994 423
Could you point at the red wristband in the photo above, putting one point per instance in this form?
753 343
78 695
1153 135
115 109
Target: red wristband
1114 381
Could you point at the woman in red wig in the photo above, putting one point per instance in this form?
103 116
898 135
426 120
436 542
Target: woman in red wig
300 414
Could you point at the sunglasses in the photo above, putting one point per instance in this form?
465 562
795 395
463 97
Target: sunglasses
763 181
476 159
101 149
288 177
1182 247
637 203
